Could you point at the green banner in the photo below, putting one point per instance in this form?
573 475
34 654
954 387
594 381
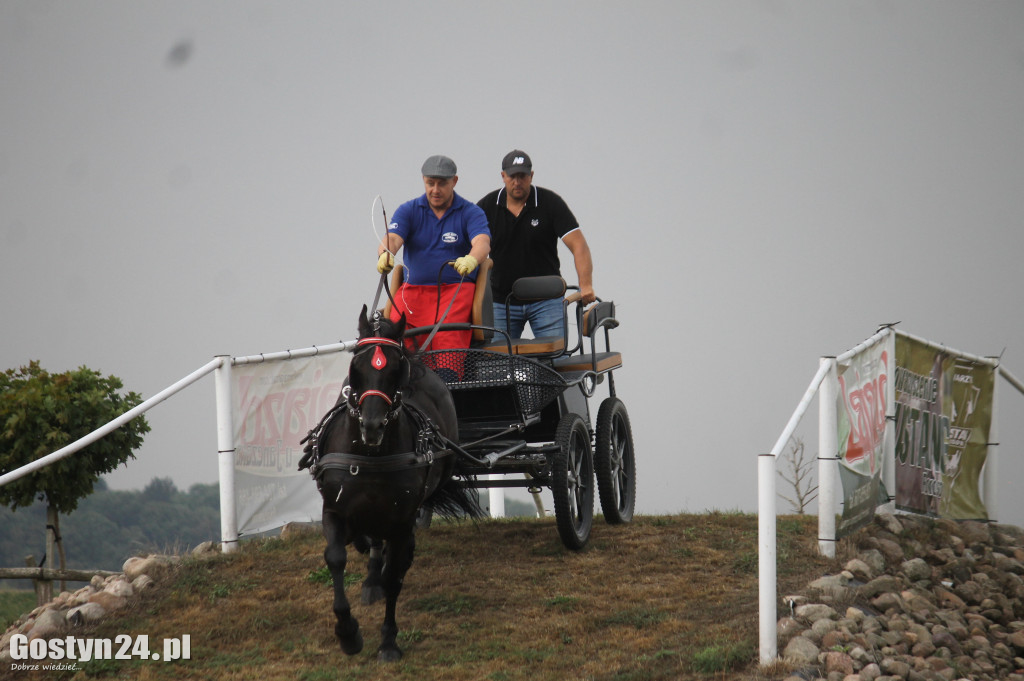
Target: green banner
943 416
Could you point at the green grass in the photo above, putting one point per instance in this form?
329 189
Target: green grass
14 604
323 576
637 618
722 658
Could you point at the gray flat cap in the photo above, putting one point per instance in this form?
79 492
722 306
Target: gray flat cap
439 166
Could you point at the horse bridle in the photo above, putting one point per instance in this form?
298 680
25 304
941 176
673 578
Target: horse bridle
394 402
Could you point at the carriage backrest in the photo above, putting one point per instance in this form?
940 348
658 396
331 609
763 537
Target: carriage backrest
482 311
535 289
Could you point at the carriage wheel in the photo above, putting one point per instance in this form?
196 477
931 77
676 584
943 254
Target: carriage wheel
572 481
615 462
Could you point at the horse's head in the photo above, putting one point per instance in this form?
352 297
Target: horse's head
379 369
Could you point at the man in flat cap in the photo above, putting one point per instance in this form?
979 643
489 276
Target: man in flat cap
526 224
435 228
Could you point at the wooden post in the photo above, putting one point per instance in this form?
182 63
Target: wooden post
30 562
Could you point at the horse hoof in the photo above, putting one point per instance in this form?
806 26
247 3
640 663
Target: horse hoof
353 645
389 654
372 594
349 636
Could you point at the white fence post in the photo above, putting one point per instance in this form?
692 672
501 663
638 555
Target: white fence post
766 557
226 456
827 447
497 497
767 568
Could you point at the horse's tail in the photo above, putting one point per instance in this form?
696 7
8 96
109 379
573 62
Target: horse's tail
454 499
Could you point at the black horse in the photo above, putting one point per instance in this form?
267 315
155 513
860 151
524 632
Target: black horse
378 457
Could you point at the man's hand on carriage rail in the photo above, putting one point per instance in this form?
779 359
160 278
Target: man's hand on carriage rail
465 264
385 262
587 294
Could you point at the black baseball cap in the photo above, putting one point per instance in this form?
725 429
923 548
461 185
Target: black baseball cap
516 161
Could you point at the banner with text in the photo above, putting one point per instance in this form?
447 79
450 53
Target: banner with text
943 417
861 404
275 404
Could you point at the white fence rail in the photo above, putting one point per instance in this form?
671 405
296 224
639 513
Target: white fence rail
124 418
221 367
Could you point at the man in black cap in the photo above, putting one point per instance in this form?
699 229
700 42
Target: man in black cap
526 224
438 227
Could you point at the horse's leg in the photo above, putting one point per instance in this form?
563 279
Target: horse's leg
373 589
399 559
347 627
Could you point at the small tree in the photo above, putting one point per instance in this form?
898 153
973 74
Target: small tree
799 476
42 412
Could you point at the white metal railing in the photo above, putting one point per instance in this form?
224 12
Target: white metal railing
220 366
124 418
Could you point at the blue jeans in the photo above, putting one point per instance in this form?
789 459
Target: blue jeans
546 317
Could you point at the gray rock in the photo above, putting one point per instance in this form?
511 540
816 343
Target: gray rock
880 585
801 651
890 523
861 570
83 614
815 611
916 569
155 566
895 668
47 623
874 560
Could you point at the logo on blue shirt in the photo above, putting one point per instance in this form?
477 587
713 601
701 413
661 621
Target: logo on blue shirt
449 237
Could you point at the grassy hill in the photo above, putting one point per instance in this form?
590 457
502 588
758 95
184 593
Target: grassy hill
666 597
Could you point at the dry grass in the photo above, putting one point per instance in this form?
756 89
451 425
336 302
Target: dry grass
666 597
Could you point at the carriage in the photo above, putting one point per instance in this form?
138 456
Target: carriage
523 408
412 435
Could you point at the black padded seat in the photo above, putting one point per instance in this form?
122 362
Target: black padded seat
599 362
530 290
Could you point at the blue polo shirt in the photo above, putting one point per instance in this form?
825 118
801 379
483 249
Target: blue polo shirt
430 242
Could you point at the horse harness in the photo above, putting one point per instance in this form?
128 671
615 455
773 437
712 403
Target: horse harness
378 361
430 443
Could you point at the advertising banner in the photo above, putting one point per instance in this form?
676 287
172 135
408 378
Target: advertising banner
275 405
861 408
943 417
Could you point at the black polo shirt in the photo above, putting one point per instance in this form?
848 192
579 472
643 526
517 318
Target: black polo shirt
525 246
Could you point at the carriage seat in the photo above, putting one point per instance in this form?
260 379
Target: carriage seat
531 290
599 316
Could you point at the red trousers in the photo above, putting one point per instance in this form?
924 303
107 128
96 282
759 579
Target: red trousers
419 304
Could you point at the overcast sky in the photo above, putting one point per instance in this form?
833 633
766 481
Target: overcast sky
761 183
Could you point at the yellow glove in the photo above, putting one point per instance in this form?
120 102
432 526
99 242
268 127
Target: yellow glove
385 263
466 264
